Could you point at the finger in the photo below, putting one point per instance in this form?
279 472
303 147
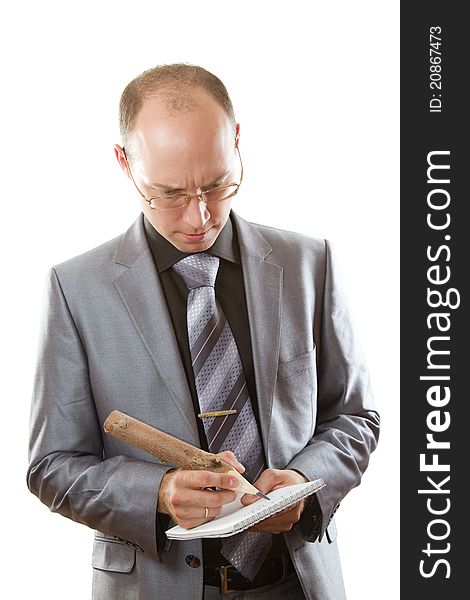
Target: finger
291 514
270 480
283 520
230 457
195 515
201 498
203 479
269 530
265 483
248 499
188 522
210 513
273 526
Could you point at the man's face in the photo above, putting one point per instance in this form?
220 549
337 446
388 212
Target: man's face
185 151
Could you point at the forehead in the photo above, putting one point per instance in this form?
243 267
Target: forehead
193 118
197 136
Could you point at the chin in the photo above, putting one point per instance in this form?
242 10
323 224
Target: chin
192 248
197 246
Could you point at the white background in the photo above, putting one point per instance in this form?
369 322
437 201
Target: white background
315 88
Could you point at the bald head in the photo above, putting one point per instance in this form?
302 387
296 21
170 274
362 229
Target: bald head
177 87
198 133
181 138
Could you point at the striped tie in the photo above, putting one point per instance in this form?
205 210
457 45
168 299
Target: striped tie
221 385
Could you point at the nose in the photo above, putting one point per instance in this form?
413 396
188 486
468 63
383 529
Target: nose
196 214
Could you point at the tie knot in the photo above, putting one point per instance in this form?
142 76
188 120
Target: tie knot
198 270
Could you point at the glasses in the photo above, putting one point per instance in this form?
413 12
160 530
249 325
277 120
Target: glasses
175 200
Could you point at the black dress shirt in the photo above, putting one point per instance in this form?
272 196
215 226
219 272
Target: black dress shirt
230 293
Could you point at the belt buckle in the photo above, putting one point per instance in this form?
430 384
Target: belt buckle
224 579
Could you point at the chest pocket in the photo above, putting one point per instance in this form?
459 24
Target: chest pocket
294 408
296 366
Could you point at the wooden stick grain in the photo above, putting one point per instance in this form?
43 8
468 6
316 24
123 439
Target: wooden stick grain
163 446
169 449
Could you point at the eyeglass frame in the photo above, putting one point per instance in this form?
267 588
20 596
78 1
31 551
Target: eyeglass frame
188 197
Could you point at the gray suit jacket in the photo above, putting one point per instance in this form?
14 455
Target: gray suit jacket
107 343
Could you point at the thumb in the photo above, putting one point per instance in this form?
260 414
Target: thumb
265 483
230 457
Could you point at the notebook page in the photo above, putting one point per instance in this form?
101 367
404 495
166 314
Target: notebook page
233 520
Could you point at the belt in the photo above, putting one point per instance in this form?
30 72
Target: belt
228 579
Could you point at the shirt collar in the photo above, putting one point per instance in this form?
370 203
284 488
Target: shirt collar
166 255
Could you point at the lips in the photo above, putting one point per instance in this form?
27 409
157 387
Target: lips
195 237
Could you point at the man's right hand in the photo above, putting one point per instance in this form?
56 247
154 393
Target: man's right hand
183 496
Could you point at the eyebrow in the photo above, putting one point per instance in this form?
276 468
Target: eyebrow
168 188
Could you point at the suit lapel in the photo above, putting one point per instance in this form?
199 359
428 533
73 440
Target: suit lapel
142 294
263 287
141 291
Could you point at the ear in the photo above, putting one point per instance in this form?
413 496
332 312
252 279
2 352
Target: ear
121 157
237 134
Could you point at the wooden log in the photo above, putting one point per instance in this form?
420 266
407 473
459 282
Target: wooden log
163 446
169 449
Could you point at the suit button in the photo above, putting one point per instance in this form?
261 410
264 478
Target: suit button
192 561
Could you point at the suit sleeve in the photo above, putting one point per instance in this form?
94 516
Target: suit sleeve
67 468
347 426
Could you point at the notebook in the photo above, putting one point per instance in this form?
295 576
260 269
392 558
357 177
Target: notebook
236 517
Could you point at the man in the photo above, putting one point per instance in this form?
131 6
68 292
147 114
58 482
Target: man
194 310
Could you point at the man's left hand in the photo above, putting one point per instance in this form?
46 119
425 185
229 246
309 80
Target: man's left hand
270 480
